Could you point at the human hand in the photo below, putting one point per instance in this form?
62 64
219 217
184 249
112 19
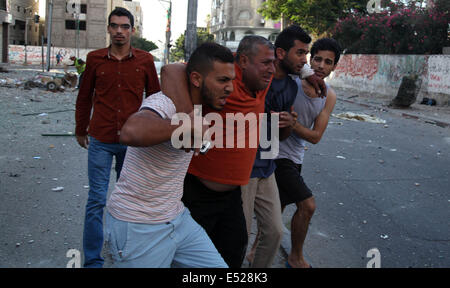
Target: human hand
83 141
318 84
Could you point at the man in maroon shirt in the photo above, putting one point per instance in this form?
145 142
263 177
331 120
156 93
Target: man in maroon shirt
113 87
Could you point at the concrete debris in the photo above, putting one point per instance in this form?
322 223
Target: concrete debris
359 117
10 83
51 81
58 189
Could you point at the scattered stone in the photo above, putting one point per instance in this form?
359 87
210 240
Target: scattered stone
58 189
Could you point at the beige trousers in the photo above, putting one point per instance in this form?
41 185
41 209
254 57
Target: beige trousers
260 196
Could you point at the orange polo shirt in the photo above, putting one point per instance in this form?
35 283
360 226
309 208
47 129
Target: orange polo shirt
233 165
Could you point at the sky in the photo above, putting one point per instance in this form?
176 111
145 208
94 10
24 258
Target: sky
155 18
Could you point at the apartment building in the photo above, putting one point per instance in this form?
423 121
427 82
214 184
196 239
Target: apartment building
231 20
91 31
5 20
25 28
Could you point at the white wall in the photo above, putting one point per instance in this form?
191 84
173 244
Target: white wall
34 54
383 74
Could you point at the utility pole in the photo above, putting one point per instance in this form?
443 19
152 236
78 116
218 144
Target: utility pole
28 17
77 38
26 41
49 32
190 42
168 32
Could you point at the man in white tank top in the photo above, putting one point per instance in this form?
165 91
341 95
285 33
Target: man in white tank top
313 114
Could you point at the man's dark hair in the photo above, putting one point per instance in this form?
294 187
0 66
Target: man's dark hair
327 44
120 11
249 45
202 60
286 38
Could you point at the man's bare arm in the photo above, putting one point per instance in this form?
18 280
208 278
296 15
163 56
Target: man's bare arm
315 134
174 84
146 128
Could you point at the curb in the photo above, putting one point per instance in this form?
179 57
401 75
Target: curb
429 120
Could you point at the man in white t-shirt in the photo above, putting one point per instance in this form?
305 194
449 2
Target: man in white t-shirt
147 224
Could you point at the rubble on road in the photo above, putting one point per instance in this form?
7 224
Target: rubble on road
359 117
52 81
10 83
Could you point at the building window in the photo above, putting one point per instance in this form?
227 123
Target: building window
273 37
232 36
20 24
244 15
72 25
3 5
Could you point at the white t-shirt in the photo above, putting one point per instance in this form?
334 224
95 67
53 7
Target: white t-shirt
151 181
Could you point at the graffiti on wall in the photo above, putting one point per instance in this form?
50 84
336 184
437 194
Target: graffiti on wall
364 66
439 74
384 73
35 55
393 69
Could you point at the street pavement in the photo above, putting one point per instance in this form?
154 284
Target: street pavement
382 186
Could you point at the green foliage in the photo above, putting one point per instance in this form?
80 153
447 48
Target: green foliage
177 53
399 29
316 16
143 44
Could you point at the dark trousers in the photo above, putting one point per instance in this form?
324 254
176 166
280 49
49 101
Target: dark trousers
80 79
222 217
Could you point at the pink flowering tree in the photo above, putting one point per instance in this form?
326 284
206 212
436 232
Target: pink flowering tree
411 28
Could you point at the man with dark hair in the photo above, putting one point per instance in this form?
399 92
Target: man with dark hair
147 224
121 12
313 114
260 195
112 89
212 185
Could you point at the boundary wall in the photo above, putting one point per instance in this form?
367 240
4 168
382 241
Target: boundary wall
382 74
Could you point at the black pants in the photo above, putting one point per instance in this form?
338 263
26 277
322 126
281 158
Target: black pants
222 217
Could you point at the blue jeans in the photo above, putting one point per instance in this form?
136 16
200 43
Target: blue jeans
100 157
180 243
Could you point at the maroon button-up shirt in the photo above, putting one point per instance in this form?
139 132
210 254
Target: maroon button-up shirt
113 90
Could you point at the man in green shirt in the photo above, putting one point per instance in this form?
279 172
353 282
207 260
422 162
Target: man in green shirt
80 65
